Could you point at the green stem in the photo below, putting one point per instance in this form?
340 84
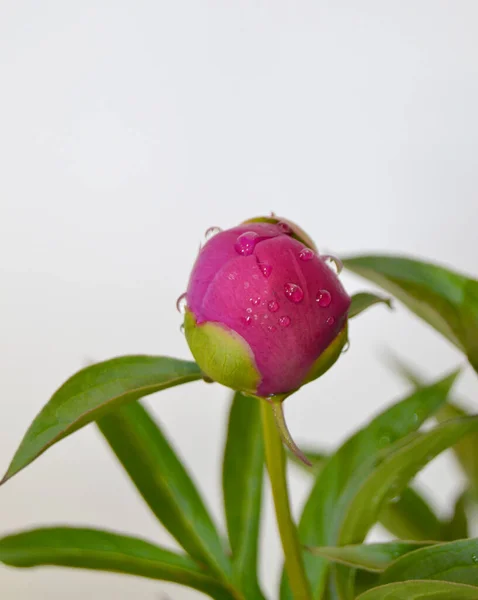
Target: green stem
276 465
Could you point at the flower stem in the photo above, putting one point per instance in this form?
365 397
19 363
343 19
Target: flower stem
276 465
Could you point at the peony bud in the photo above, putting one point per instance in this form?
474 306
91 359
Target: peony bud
265 312
262 308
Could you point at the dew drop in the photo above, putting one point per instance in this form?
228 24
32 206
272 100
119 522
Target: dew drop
181 328
247 320
273 306
306 254
255 301
346 347
248 310
323 298
266 269
211 232
284 321
246 243
330 321
293 292
181 303
271 328
474 558
384 440
333 262
394 500
284 227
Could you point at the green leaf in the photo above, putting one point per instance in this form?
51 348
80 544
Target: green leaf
466 450
107 551
421 590
371 557
446 300
363 300
242 479
343 474
454 561
341 582
164 483
392 475
94 391
457 527
410 517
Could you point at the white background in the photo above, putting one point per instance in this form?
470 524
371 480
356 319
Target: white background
127 129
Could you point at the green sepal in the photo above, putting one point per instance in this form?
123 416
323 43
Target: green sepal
222 354
329 356
297 232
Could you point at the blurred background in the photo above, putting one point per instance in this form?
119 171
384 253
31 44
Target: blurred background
129 128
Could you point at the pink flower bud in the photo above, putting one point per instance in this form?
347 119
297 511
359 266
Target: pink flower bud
265 312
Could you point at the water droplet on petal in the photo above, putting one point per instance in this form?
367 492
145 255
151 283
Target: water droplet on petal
246 243
284 321
346 347
273 306
266 269
293 292
211 232
323 298
181 303
248 310
330 321
247 320
255 301
284 227
271 328
181 328
333 262
306 254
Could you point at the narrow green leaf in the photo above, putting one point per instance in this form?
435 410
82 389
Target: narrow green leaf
242 479
363 300
94 391
410 517
371 557
107 551
457 527
455 561
466 450
343 474
341 582
446 300
421 590
163 482
392 475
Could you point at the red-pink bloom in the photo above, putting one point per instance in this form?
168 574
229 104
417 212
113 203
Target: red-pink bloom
274 297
